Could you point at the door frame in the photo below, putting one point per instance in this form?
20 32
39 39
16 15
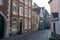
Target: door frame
54 26
22 24
5 25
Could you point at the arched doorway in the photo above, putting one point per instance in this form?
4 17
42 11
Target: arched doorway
2 24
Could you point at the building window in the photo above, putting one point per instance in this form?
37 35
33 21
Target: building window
21 11
30 13
26 24
55 16
29 24
26 2
26 11
21 0
30 3
1 2
15 8
34 16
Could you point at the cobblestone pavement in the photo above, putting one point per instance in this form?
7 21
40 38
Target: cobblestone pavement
38 35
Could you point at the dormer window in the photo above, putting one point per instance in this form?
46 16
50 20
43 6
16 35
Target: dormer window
1 2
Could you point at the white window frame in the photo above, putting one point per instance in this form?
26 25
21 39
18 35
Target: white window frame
26 24
16 13
21 11
30 13
29 24
26 2
21 0
29 3
26 12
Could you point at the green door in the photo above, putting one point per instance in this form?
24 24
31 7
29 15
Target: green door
1 27
20 25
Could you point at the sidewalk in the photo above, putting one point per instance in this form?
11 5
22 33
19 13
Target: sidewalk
19 35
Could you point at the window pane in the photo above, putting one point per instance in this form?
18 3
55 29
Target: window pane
55 15
29 13
30 3
29 24
26 11
26 2
1 2
15 8
21 11
26 24
21 0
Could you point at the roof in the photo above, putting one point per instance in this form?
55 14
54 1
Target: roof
35 5
37 10
50 1
47 13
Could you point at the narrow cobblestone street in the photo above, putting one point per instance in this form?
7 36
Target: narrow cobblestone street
38 35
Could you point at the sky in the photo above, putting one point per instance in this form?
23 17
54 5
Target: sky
43 3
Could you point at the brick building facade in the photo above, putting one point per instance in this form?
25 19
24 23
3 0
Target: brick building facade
4 18
55 18
20 16
34 20
16 17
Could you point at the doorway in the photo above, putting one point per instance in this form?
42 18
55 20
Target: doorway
1 27
20 25
54 27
